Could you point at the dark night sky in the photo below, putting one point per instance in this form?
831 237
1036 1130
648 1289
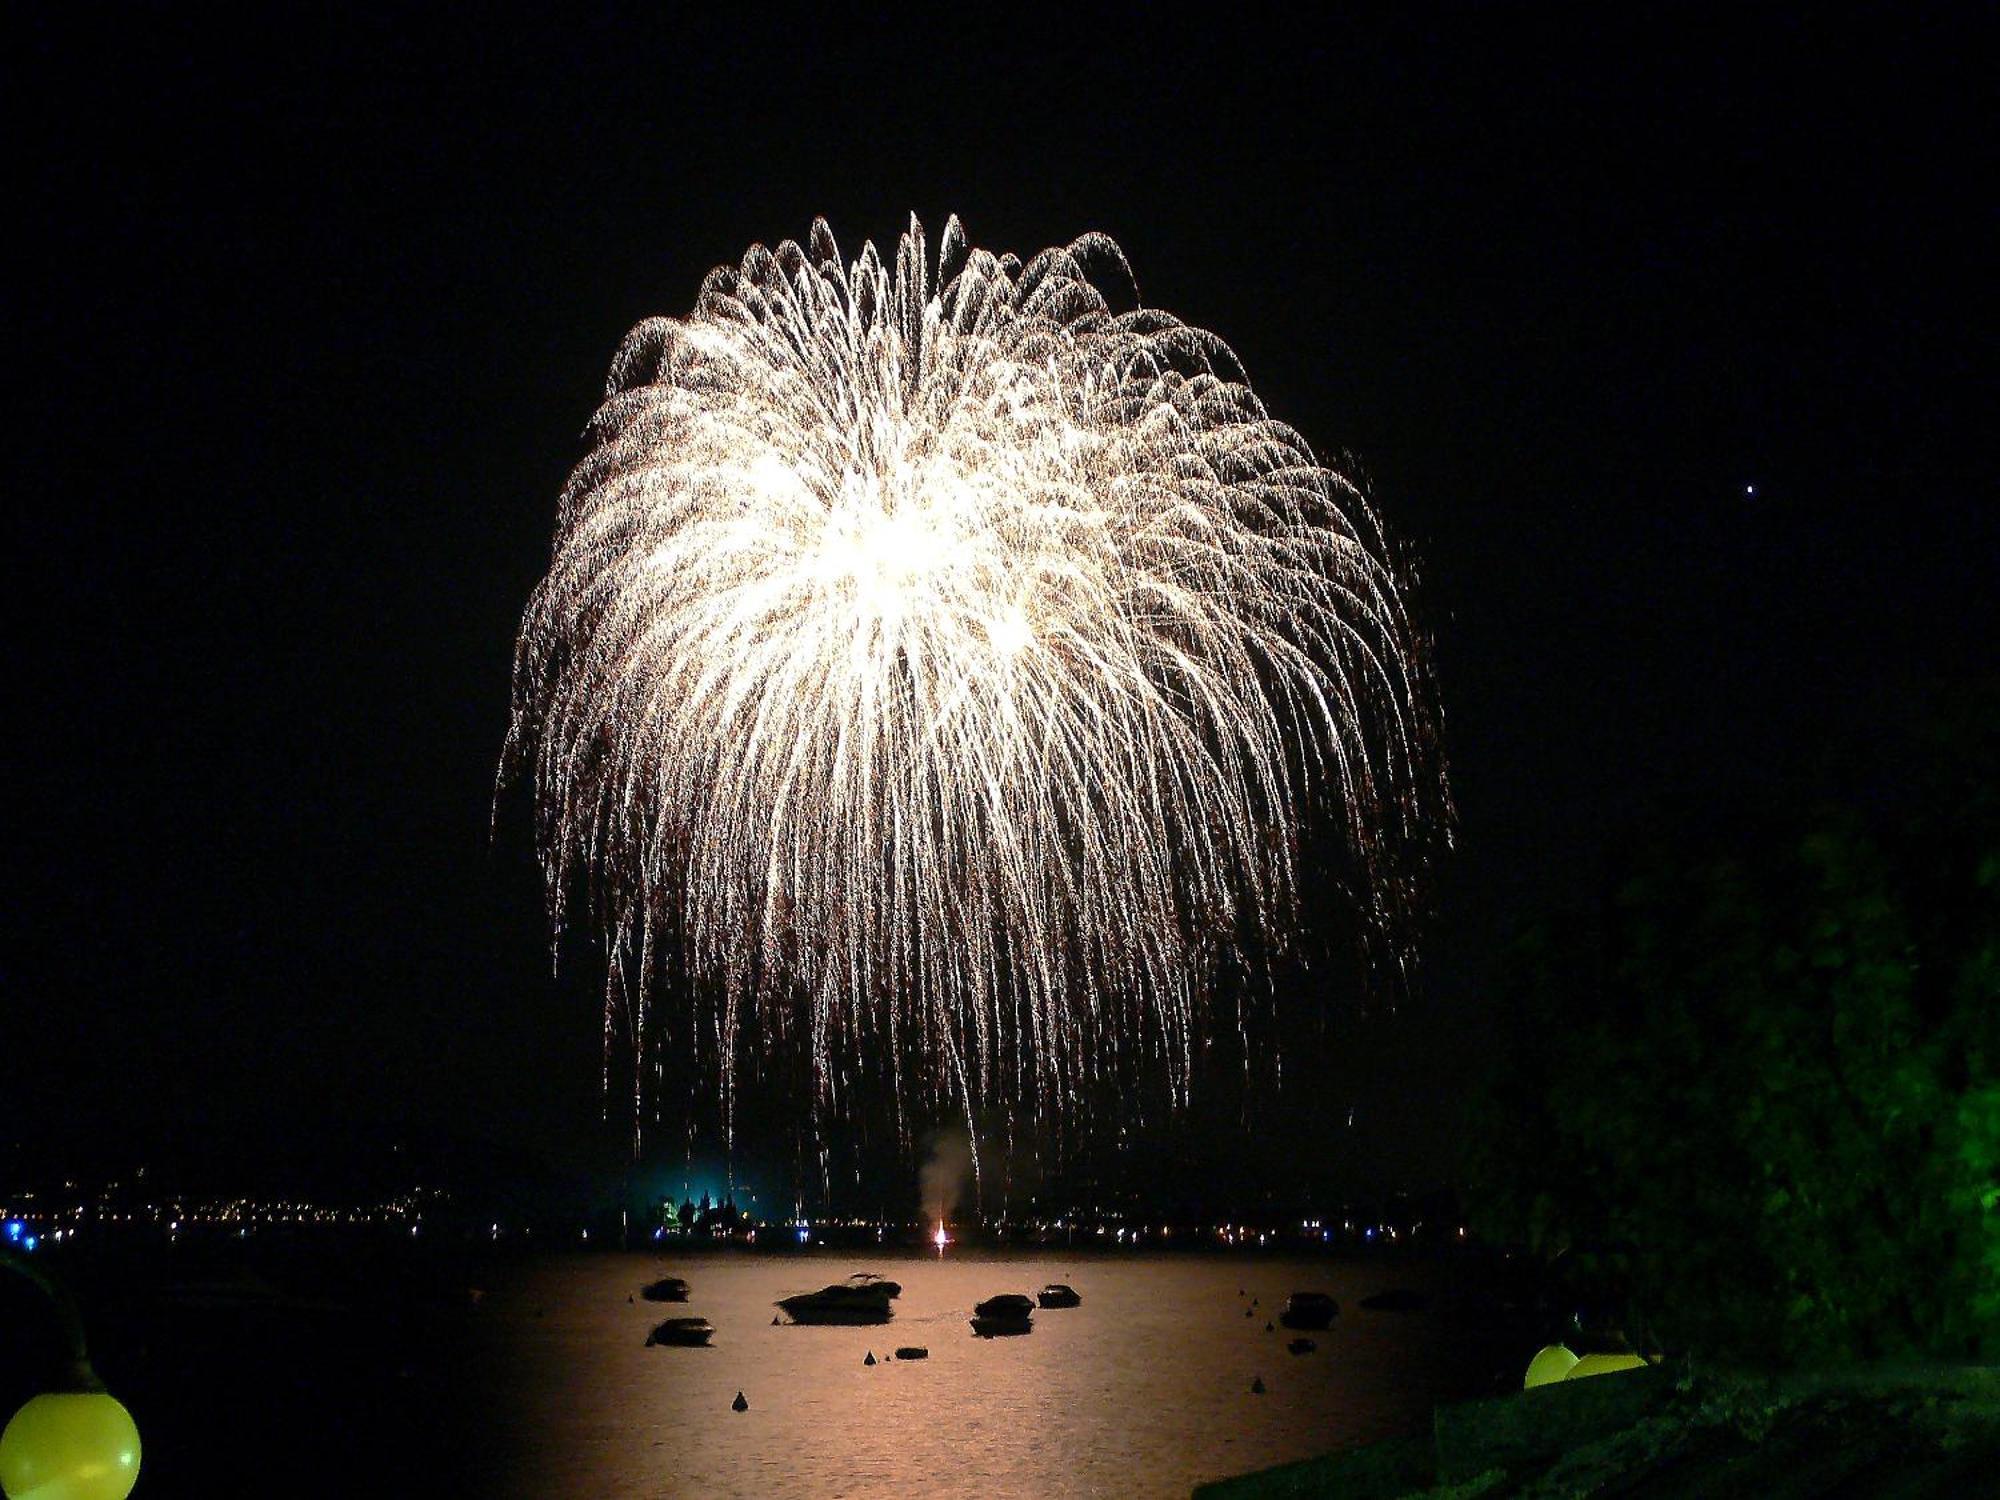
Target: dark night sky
306 327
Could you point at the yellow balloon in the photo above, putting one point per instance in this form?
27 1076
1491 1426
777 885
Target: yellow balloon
1604 1364
82 1446
1548 1366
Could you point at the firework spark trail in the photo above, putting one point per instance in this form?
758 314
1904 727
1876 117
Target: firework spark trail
940 660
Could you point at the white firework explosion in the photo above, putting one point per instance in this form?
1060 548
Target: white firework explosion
935 662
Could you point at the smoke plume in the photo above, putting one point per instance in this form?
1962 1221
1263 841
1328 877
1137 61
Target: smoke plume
944 1174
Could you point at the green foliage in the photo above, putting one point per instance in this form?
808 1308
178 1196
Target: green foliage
1758 1091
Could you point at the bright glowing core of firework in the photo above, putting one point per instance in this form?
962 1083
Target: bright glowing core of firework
934 664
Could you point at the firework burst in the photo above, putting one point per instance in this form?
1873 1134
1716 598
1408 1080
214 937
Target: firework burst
936 663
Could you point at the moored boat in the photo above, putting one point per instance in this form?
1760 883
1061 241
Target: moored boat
1056 1294
1309 1310
1002 1316
683 1331
666 1289
839 1303
869 1281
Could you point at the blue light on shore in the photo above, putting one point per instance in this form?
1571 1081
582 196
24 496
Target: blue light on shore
14 1228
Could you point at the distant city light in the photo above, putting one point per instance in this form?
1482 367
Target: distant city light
14 1228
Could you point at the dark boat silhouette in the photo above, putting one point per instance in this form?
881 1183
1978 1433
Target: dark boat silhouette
1055 1294
666 1289
839 1303
1309 1310
1002 1316
689 1332
869 1281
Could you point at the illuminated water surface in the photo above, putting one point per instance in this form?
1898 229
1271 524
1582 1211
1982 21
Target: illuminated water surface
1143 1390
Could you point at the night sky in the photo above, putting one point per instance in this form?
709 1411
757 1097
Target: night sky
306 325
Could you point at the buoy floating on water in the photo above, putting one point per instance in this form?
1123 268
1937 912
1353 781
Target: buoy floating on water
739 1404
870 1359
1270 1328
1257 1386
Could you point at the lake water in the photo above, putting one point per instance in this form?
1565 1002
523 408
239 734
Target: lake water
1143 1390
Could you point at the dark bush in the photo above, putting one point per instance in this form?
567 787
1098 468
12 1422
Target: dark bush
1758 1086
